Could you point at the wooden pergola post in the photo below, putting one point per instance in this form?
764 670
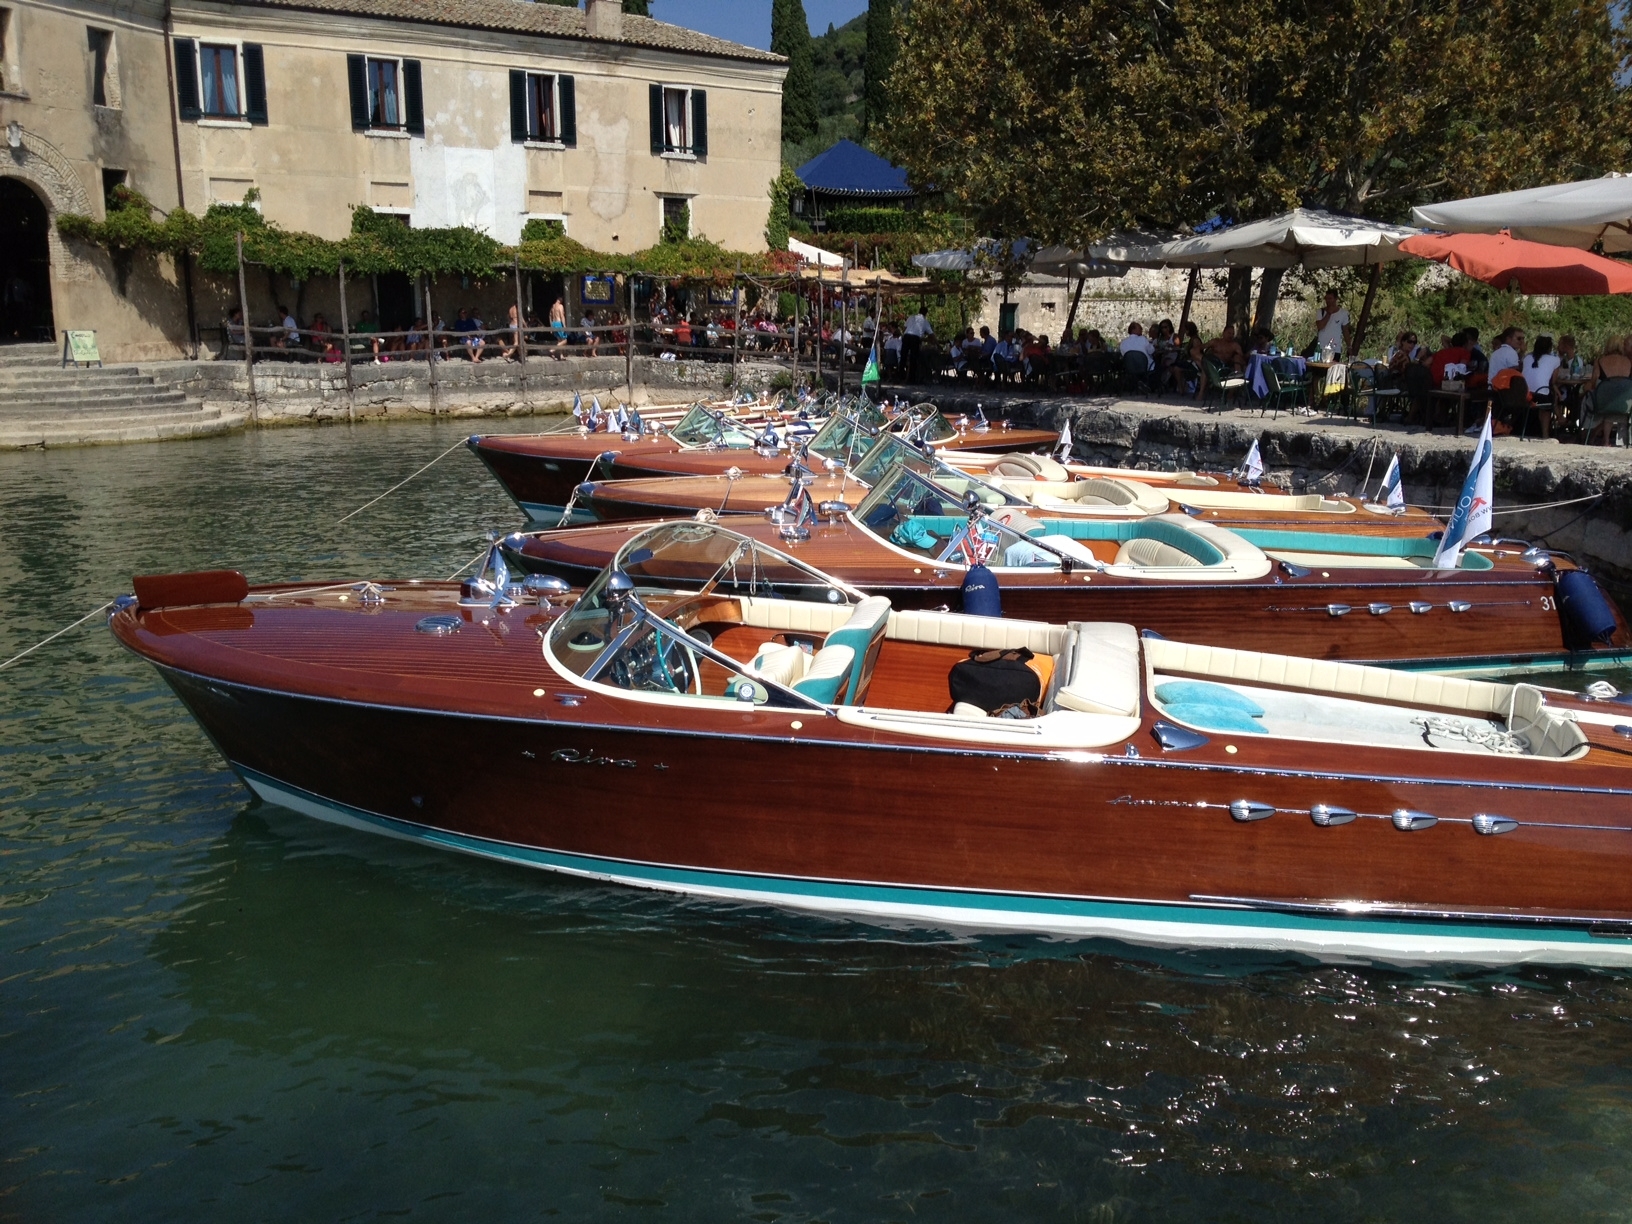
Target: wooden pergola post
844 321
521 335
821 292
629 338
430 332
249 336
1189 296
736 332
345 345
798 307
1365 310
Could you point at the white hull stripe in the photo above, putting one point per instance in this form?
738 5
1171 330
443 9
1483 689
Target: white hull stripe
1197 926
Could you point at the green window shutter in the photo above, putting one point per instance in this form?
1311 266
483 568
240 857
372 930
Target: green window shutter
357 78
569 113
699 122
518 105
187 79
413 98
657 118
254 84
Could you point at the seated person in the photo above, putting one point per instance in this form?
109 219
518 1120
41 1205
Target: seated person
1456 353
1226 349
1090 341
1613 366
368 332
1135 342
1006 357
468 328
1035 358
1538 368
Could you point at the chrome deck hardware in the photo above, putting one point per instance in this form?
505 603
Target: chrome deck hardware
1408 820
1490 824
1174 738
1327 816
1250 809
441 625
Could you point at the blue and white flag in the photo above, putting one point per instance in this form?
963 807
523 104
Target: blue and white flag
577 405
1063 451
1471 517
1252 467
1390 493
595 413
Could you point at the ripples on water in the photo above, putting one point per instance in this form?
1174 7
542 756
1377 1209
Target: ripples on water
213 1009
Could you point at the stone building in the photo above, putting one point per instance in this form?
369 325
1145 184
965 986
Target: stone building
444 112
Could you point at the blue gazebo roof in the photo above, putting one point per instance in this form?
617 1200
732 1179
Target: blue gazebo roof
847 169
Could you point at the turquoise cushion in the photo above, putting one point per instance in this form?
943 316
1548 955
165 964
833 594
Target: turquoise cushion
824 689
1199 692
1215 718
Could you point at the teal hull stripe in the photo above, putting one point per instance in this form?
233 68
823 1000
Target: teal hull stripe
683 878
540 512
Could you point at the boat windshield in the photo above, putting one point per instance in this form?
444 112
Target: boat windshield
893 453
704 427
924 518
848 437
929 427
627 628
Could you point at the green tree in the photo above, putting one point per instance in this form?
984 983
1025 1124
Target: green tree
881 53
1065 121
780 219
790 36
638 8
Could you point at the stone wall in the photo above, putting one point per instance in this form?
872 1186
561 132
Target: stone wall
291 392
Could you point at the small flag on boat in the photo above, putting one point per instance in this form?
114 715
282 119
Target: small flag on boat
1390 494
1472 515
1252 467
595 412
869 373
577 405
1064 449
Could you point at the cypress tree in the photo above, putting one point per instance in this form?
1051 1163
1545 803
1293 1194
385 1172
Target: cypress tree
790 36
881 48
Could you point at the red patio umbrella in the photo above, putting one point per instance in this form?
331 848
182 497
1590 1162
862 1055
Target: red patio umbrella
1527 267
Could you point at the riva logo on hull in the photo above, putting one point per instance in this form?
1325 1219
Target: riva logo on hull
571 756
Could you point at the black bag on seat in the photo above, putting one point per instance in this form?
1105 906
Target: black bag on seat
996 680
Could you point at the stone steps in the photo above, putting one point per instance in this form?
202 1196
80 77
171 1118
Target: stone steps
146 427
44 404
77 398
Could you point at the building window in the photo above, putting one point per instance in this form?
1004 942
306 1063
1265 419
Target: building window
104 68
676 220
112 180
385 95
384 105
220 81
218 76
8 74
543 109
679 120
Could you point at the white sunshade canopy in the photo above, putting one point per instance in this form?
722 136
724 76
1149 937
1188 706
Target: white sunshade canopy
815 255
1308 237
1067 262
1565 214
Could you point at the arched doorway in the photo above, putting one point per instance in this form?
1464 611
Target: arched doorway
25 265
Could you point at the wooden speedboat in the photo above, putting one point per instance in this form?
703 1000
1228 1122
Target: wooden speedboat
711 736
541 471
1033 483
1331 595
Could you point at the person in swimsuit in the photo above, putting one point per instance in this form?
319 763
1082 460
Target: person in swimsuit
558 325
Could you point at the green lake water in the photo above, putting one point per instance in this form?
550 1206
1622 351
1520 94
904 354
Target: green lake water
212 1009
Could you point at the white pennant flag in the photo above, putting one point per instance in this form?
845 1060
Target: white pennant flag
1472 515
1252 466
1390 494
1064 451
577 405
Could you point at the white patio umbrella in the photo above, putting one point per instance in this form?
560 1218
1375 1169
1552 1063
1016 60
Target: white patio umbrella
1307 237
1304 237
1564 214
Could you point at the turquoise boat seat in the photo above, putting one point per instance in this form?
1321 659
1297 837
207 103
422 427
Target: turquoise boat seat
843 668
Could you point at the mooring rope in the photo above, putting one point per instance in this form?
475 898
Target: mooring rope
56 635
400 483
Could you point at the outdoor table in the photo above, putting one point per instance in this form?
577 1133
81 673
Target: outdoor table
1461 397
1567 411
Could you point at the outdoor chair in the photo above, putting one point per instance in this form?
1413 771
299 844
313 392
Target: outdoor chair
1101 371
1224 384
1365 385
1135 373
1285 391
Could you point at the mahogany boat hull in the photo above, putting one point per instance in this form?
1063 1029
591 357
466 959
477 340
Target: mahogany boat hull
540 471
1140 848
1507 616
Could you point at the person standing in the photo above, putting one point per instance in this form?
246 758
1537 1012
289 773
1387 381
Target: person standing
1332 327
917 331
558 325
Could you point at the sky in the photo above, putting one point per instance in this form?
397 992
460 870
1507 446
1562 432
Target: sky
749 21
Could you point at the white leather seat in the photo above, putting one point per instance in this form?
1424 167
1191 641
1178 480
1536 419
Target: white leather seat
781 664
1105 675
1153 554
